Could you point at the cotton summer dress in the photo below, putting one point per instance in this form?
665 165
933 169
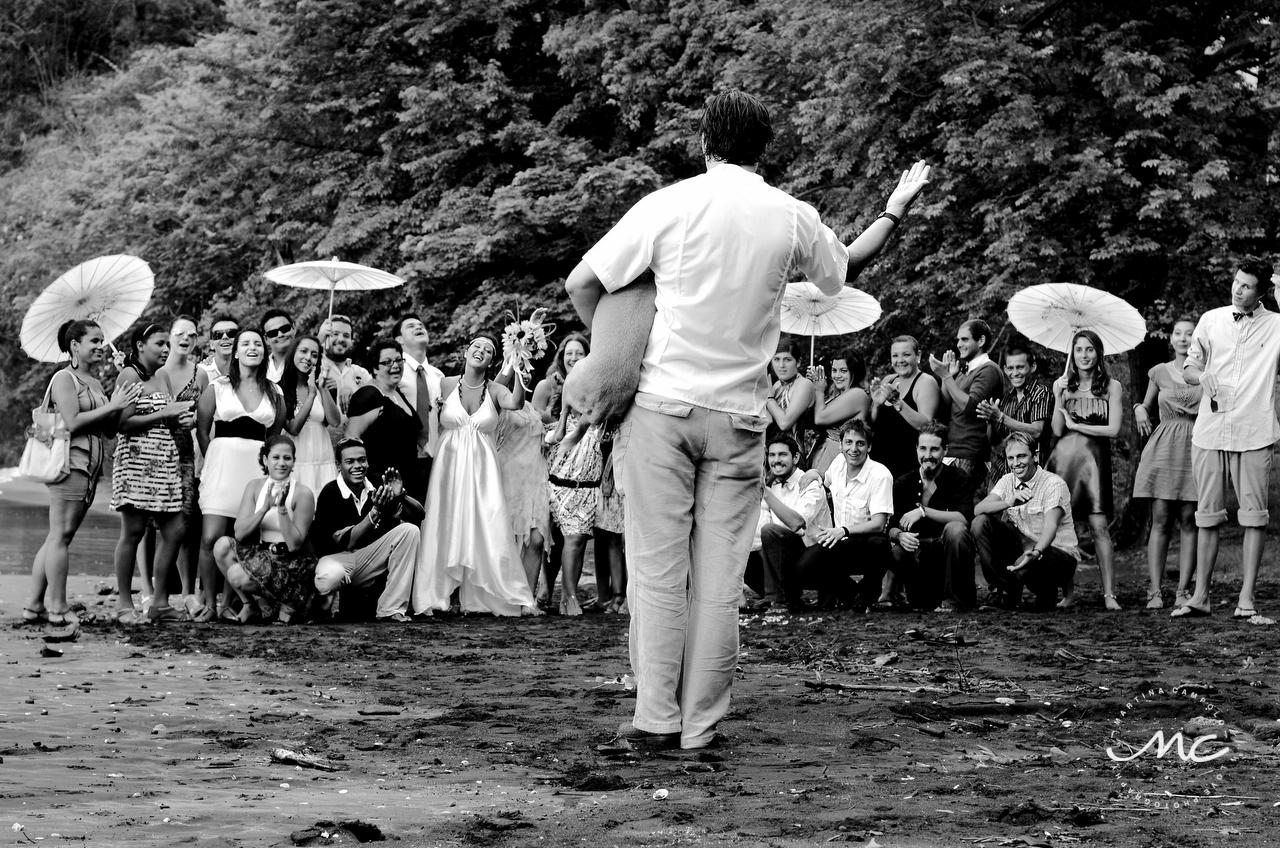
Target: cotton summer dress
146 474
524 472
574 481
1084 462
234 444
467 540
803 430
1164 472
314 465
185 438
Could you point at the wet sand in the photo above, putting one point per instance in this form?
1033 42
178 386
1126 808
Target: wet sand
982 729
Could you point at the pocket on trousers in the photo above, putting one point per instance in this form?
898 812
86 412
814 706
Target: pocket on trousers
663 406
751 423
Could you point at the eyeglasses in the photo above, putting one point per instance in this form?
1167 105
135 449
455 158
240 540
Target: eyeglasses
219 335
399 360
283 328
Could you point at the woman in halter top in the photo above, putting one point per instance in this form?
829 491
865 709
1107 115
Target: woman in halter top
1086 417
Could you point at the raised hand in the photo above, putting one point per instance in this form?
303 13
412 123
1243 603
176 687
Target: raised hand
818 376
122 396
908 189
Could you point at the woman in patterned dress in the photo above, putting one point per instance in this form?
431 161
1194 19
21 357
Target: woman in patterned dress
1164 472
146 482
574 482
182 370
611 553
268 562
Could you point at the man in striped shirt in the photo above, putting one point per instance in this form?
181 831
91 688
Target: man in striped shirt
1026 409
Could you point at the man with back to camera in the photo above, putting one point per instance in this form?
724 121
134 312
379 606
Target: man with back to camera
721 246
792 515
968 377
338 374
932 547
1023 530
1234 353
278 330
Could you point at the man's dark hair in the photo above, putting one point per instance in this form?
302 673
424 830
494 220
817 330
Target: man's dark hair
345 443
787 442
979 329
1019 350
222 319
736 128
1261 270
856 425
275 313
398 327
933 428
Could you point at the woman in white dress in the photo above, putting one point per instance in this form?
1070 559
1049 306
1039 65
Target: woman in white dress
467 543
309 408
236 415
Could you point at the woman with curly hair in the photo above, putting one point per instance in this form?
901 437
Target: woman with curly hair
269 563
308 410
1086 417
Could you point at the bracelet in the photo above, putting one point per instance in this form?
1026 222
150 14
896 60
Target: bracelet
846 531
892 217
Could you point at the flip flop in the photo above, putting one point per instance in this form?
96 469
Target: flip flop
66 618
30 616
1189 612
1244 612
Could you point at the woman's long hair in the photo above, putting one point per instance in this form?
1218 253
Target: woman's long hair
292 378
857 371
1101 379
557 372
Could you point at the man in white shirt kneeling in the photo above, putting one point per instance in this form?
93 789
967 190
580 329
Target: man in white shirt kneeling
855 544
792 515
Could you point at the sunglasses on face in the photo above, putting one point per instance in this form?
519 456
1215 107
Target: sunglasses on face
219 335
283 328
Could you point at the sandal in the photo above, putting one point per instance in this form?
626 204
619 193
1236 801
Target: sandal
1154 601
128 617
66 618
229 615
204 615
30 616
157 614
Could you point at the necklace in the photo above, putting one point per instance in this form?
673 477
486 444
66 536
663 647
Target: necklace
464 382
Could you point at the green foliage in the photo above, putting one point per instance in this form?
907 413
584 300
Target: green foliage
478 149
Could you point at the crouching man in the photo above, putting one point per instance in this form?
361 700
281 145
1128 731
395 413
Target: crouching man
362 532
793 512
855 544
1034 546
932 547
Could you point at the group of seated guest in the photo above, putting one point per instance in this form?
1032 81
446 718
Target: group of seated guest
923 527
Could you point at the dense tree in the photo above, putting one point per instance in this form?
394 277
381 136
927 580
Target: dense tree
478 148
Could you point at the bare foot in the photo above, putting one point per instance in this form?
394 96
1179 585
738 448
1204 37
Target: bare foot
531 612
1068 601
1110 602
570 606
1154 601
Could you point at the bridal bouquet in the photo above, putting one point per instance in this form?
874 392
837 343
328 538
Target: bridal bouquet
524 341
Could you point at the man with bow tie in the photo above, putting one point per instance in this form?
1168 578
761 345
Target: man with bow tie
968 377
1023 530
1233 357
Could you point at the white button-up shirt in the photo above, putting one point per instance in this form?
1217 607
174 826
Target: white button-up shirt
810 502
857 498
409 388
722 246
1243 356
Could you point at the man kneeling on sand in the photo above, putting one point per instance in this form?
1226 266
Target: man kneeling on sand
794 511
362 532
1035 545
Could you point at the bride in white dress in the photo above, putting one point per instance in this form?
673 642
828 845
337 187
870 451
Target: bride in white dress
467 543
